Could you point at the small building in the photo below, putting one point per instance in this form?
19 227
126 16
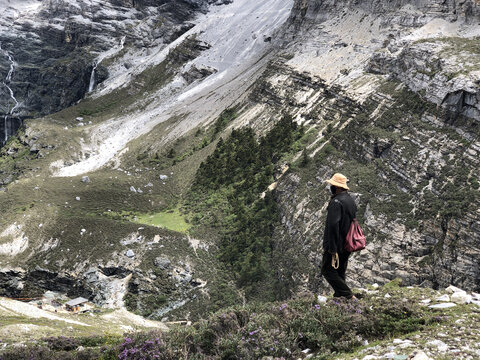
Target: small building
77 304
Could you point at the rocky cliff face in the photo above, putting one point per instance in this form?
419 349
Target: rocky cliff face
405 12
404 129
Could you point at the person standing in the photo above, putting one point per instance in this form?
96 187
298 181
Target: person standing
340 213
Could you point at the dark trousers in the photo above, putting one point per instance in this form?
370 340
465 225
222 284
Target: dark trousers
336 277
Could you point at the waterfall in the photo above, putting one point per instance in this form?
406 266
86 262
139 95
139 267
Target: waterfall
7 80
92 77
122 42
111 52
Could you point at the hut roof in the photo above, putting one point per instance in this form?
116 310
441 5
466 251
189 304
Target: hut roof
77 301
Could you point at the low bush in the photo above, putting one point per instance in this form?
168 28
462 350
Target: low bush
142 346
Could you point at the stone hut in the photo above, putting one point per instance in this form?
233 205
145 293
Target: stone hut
76 305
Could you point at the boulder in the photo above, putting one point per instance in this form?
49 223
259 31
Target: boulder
130 253
453 289
444 298
461 298
442 305
186 277
321 299
85 179
420 355
439 344
163 263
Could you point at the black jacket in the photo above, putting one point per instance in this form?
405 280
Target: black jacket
341 211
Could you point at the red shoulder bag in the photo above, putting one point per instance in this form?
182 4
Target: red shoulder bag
355 240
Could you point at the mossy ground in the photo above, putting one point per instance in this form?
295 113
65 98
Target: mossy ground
170 219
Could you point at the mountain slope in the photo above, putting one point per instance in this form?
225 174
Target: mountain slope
385 93
59 49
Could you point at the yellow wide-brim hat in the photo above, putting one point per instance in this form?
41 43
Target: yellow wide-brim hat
339 180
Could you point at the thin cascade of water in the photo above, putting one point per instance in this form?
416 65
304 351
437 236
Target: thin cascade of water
91 85
122 43
92 77
7 80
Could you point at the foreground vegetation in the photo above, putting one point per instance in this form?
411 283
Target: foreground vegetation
278 330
